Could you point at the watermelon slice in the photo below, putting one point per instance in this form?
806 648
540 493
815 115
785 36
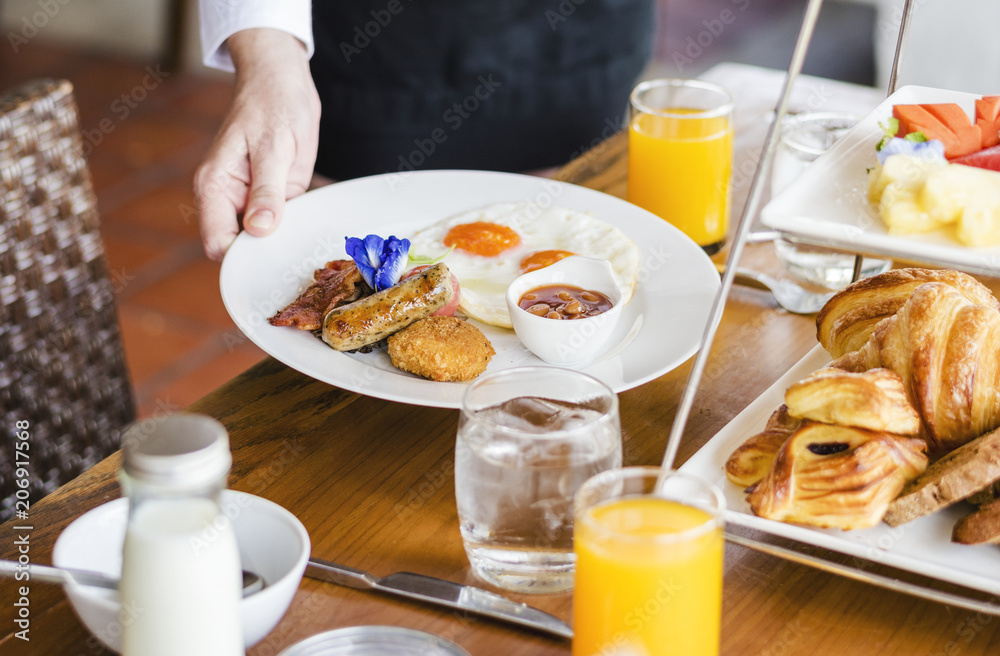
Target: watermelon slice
988 119
988 158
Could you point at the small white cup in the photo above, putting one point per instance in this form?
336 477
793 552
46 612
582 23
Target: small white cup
570 342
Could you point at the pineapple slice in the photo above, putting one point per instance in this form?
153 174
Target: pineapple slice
902 212
949 190
979 225
969 196
907 171
919 195
875 186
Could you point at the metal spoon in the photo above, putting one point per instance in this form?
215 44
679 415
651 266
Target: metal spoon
789 295
63 575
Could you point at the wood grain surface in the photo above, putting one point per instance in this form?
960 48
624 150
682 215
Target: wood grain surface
373 483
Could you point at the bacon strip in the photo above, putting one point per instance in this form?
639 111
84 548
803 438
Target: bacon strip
337 283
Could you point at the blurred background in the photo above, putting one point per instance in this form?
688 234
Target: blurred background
149 111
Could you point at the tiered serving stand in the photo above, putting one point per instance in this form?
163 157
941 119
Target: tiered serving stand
847 228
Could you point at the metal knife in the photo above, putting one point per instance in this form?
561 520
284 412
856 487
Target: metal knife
440 592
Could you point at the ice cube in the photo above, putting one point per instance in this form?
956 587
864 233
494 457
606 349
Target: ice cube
537 415
501 451
532 412
554 517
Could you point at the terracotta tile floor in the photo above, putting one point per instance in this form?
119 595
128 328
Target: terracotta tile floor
179 341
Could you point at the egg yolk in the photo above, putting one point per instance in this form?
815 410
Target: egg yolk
482 238
542 259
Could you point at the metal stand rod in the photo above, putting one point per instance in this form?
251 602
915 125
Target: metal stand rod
897 64
871 578
904 32
749 212
859 261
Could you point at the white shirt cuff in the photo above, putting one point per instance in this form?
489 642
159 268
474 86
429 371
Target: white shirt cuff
220 19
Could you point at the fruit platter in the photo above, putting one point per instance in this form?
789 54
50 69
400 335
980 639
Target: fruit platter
916 180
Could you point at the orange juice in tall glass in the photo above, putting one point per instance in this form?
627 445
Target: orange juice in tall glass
648 565
680 152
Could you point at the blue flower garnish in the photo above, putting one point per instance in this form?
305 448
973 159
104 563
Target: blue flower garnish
932 149
380 261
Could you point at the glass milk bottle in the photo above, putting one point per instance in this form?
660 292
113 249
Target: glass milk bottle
181 570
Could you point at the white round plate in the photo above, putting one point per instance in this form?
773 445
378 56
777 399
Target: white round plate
375 641
659 329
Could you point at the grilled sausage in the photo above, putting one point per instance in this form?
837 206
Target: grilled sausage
375 317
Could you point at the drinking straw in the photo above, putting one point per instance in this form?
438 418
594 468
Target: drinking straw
743 229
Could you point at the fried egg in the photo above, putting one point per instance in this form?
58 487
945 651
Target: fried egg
491 246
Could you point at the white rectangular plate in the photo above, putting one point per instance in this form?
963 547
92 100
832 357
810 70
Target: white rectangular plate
923 545
827 203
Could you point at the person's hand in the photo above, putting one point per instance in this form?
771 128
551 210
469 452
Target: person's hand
265 150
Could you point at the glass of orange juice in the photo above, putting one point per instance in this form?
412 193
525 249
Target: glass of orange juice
680 153
648 564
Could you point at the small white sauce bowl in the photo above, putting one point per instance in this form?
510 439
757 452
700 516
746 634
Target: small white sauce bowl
572 341
273 543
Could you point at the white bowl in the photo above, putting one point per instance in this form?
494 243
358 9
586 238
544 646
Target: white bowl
272 542
569 342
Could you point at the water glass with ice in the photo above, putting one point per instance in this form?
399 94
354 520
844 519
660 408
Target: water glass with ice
804 137
528 438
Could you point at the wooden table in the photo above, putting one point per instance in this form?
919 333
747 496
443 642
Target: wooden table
373 483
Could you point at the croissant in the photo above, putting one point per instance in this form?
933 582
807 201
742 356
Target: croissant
837 476
849 317
751 460
945 348
875 399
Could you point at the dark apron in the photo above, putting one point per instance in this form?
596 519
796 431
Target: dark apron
507 85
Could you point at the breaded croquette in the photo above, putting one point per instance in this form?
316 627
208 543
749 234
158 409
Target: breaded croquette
442 349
